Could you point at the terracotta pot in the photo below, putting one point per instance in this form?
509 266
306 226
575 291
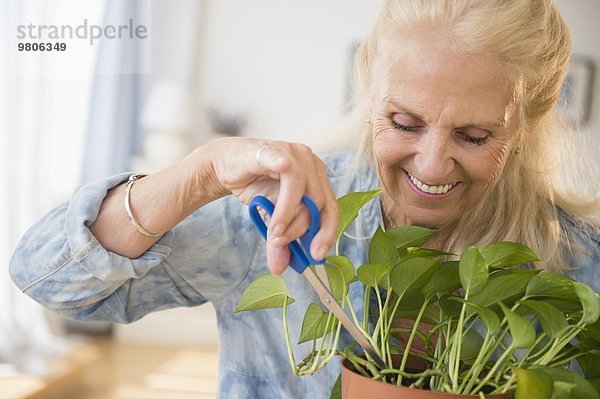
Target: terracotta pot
356 386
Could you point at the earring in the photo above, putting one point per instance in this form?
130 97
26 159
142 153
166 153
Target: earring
368 120
518 150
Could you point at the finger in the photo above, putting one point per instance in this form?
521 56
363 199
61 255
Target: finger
327 234
325 238
278 257
299 224
268 158
292 186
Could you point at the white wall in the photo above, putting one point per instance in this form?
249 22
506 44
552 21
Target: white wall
582 18
282 63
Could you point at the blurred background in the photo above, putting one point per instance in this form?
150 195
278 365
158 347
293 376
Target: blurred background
206 69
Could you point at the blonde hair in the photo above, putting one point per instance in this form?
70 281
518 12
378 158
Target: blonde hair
531 41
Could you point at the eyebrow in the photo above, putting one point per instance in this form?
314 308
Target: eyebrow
495 123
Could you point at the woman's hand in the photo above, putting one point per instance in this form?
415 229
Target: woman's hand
282 172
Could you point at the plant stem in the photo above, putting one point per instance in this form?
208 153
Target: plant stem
536 343
454 363
443 358
420 334
425 373
315 360
332 349
498 364
386 333
287 338
368 336
367 299
479 364
560 343
411 338
567 359
358 363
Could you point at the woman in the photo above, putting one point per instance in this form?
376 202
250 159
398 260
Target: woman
456 124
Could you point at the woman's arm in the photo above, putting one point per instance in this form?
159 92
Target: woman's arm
85 260
284 173
158 202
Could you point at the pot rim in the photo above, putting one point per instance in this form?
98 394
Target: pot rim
345 366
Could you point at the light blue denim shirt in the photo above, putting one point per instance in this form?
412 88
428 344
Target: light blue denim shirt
210 256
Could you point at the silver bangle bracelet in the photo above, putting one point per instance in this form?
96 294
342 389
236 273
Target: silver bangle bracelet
130 182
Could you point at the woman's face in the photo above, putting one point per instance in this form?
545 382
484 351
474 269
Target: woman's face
443 130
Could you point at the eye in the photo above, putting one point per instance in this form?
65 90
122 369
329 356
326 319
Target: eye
406 123
404 128
472 140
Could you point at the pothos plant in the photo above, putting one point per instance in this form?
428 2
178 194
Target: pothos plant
480 323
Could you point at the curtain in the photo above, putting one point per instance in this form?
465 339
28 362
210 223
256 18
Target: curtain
63 120
113 134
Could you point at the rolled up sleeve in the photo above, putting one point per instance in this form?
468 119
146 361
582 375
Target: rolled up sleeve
60 264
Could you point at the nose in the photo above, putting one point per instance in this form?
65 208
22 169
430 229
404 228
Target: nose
434 161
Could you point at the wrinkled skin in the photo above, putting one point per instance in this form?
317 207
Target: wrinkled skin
444 118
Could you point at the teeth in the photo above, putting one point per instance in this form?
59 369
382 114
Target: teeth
430 189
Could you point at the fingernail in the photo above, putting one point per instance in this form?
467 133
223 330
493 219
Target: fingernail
321 252
278 260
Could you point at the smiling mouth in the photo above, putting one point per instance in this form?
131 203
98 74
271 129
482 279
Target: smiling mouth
435 190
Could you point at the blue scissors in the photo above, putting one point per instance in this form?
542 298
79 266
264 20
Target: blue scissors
300 261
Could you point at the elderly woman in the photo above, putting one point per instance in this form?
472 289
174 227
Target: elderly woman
456 124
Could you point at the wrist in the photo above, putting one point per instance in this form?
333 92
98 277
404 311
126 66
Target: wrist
204 182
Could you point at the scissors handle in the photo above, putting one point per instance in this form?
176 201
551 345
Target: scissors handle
300 251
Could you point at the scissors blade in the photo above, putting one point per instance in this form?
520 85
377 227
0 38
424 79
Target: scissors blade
322 275
332 304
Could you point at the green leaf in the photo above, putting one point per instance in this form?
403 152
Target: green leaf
416 252
346 267
451 305
410 311
551 285
521 330
490 320
488 317
591 332
349 206
336 391
336 281
313 324
568 384
595 383
590 365
565 306
411 303
409 236
589 301
509 284
506 254
473 271
471 345
381 250
410 276
371 275
553 320
265 292
444 281
533 384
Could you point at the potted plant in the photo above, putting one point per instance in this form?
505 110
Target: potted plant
474 325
